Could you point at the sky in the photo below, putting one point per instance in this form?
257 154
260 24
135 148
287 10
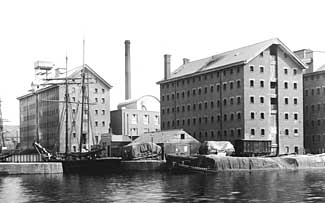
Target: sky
49 30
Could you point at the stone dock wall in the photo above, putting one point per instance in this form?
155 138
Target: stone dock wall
7 168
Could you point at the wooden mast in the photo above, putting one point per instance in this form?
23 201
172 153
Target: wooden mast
1 129
82 98
66 107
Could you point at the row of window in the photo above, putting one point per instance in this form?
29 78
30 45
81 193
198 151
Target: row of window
231 100
199 120
316 139
238 132
314 91
96 124
96 90
273 101
313 123
315 107
73 90
217 74
96 100
273 84
232 132
312 77
252 68
211 75
231 117
188 92
262 132
96 112
145 119
199 91
285 70
262 116
201 105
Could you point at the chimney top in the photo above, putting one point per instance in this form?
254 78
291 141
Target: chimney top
167 66
127 70
185 60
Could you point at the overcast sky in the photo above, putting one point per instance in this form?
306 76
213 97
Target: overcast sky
47 30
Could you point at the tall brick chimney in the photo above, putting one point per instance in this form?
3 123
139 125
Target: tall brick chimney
127 70
167 66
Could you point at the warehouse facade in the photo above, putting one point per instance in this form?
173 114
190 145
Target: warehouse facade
253 93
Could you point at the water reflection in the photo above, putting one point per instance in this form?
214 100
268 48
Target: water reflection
257 186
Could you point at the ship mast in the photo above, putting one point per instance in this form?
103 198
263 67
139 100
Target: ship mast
82 98
1 128
66 107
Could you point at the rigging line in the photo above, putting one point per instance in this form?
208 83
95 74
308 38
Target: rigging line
88 111
72 118
75 118
71 129
61 120
91 130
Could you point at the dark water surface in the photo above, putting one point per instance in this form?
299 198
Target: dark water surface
256 186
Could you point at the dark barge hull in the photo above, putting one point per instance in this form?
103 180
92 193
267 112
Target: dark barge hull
92 166
183 168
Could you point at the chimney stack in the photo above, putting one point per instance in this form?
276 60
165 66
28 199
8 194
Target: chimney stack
185 61
167 66
57 72
306 56
127 70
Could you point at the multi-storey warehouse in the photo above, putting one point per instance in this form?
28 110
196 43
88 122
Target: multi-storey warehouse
42 113
250 93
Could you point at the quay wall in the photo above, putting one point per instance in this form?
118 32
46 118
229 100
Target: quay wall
220 163
7 168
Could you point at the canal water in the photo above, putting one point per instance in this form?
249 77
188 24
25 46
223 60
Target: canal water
256 186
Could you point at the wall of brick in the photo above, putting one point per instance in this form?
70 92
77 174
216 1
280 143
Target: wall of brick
205 105
292 140
314 112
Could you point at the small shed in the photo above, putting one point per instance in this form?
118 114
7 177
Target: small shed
113 144
177 142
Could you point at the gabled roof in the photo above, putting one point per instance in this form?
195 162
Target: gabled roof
76 73
37 91
230 58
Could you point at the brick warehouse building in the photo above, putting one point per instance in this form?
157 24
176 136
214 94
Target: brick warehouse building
42 113
314 102
250 93
314 112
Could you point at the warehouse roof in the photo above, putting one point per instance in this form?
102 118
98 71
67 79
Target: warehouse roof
74 74
234 57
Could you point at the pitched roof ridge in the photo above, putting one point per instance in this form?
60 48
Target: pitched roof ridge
231 50
214 57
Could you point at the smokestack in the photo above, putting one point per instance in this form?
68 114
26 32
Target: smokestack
127 70
185 61
167 66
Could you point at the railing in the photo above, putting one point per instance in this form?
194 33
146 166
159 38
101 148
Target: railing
23 158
